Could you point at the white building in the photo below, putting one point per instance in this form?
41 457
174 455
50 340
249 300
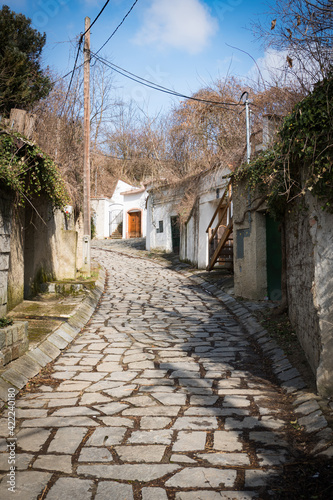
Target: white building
190 238
123 215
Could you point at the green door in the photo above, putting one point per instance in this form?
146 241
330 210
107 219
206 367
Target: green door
175 234
274 259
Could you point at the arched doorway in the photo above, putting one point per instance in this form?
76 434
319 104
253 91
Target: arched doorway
134 223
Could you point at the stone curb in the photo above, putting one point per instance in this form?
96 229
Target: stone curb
306 407
20 371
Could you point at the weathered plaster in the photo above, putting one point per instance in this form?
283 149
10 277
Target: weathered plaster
16 261
250 271
5 231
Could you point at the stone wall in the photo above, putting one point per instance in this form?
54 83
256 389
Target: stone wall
13 342
5 230
309 271
309 245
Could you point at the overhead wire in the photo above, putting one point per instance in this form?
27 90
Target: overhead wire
155 86
134 159
132 76
73 71
92 24
117 28
77 55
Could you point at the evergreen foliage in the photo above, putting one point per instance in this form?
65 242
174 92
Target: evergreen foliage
28 172
22 81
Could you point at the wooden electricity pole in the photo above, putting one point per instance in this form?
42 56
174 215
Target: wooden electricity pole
86 158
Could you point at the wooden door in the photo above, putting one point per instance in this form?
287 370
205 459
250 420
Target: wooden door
134 224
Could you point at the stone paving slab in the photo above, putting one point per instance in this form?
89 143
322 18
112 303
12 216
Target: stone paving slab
161 396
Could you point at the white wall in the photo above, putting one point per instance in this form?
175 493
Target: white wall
160 208
162 205
100 206
206 212
120 188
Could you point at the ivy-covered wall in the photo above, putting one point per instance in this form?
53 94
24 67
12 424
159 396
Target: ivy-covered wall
37 243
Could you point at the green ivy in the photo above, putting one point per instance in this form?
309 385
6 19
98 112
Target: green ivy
5 322
301 159
27 171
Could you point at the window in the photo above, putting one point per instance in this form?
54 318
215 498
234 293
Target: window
159 229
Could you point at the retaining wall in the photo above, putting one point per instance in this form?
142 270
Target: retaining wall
13 342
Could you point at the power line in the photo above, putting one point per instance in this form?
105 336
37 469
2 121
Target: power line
117 28
82 35
145 158
100 12
77 54
155 86
73 71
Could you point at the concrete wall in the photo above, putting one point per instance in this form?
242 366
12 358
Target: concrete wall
100 211
250 271
16 260
309 245
206 212
64 246
22 122
51 245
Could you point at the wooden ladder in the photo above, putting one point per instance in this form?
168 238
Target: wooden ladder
223 252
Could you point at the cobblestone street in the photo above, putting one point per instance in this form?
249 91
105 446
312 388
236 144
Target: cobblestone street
163 395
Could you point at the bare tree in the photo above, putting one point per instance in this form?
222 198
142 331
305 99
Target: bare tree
303 29
59 129
59 132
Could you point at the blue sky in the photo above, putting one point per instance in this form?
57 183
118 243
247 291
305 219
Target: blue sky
181 44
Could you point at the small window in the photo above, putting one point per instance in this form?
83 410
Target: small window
160 227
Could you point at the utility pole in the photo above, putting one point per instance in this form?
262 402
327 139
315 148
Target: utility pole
248 129
248 148
86 157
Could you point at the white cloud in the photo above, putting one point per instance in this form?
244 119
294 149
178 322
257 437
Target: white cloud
274 69
182 24
271 66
